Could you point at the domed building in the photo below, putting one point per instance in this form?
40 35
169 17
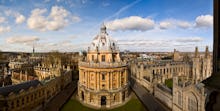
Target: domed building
103 76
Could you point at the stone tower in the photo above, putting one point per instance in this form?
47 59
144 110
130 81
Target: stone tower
206 64
196 66
103 77
176 55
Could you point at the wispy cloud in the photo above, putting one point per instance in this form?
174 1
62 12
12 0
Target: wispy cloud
123 9
4 29
189 39
160 44
21 39
2 19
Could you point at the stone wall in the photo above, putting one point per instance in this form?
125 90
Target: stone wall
164 95
147 84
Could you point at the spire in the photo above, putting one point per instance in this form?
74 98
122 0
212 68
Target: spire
33 49
103 28
206 52
196 52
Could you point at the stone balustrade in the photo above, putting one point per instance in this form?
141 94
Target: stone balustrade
102 65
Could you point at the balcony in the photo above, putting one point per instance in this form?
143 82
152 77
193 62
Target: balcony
102 65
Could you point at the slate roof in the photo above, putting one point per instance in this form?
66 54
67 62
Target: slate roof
5 91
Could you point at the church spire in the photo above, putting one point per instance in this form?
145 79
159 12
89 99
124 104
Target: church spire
33 50
196 52
206 52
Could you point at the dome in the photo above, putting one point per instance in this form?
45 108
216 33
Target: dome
103 42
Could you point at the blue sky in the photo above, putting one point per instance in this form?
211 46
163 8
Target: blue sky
137 25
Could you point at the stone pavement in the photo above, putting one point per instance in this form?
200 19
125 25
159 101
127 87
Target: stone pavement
147 99
60 99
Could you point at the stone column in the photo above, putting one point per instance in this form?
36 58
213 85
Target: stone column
125 76
98 81
20 75
87 80
120 97
107 83
111 79
88 75
119 78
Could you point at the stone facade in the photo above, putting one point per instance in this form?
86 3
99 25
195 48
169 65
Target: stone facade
103 77
187 92
34 92
32 95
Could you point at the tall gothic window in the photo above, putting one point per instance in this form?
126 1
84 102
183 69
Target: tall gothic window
103 58
192 104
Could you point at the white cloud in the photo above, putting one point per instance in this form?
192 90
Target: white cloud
131 23
56 20
173 23
204 21
165 25
21 39
19 19
36 20
2 19
4 29
190 39
184 24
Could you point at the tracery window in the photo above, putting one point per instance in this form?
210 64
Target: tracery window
192 104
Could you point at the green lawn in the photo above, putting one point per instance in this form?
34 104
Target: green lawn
133 105
169 83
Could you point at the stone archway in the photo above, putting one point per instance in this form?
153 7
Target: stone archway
103 100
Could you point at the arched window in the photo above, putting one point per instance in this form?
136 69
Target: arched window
192 103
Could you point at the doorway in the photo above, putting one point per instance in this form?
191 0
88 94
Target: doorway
82 94
103 100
